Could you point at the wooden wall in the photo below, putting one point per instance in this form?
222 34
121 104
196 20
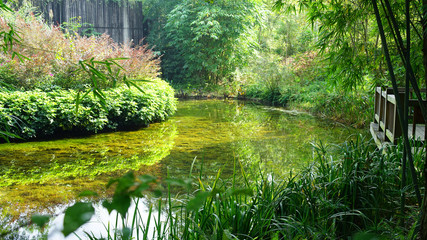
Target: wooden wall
123 22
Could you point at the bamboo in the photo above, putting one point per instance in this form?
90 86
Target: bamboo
398 100
408 67
406 109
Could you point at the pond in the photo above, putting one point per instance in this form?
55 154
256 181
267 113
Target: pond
208 135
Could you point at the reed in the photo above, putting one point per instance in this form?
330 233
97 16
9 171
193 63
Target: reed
350 191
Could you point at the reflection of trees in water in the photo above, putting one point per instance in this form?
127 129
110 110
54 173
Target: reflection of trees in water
39 182
218 133
86 157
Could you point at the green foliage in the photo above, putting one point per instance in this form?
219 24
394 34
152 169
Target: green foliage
207 41
358 191
9 37
40 220
54 57
301 83
270 77
44 114
352 108
284 34
349 39
127 187
77 215
351 191
72 27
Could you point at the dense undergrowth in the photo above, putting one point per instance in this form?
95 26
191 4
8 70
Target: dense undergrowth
335 198
62 84
351 191
38 114
301 82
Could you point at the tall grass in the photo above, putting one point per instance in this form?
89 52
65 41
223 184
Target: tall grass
351 191
334 199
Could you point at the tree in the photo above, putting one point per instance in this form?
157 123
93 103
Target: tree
395 22
207 41
350 42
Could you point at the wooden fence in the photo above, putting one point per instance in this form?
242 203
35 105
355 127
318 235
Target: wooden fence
123 21
387 126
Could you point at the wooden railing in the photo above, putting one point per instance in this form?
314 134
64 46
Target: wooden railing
388 126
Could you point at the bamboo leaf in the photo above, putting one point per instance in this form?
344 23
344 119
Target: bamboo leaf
128 82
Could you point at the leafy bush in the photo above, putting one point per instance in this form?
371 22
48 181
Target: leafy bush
55 56
44 114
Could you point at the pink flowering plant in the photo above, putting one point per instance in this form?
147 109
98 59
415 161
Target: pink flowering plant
56 59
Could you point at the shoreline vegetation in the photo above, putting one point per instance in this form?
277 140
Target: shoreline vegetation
348 192
55 81
42 115
328 109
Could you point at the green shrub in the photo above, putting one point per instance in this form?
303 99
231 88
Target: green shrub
45 114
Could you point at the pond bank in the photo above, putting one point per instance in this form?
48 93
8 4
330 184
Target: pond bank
330 106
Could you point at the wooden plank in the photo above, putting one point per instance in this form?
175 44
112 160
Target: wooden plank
378 136
379 139
374 132
386 126
419 132
390 135
382 126
391 98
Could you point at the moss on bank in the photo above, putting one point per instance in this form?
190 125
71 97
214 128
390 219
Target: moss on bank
38 114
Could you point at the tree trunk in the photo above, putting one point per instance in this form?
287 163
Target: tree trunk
423 223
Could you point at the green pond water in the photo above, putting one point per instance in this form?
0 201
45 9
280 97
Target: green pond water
36 176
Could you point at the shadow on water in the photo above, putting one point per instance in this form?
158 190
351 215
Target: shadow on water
37 176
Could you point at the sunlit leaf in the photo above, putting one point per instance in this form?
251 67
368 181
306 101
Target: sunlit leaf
120 202
126 233
157 193
147 178
77 215
129 82
185 183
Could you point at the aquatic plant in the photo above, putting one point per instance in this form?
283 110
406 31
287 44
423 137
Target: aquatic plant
354 195
88 161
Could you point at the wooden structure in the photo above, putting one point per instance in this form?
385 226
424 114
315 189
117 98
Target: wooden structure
386 128
121 20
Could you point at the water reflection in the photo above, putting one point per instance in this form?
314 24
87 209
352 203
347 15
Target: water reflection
39 175
103 223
